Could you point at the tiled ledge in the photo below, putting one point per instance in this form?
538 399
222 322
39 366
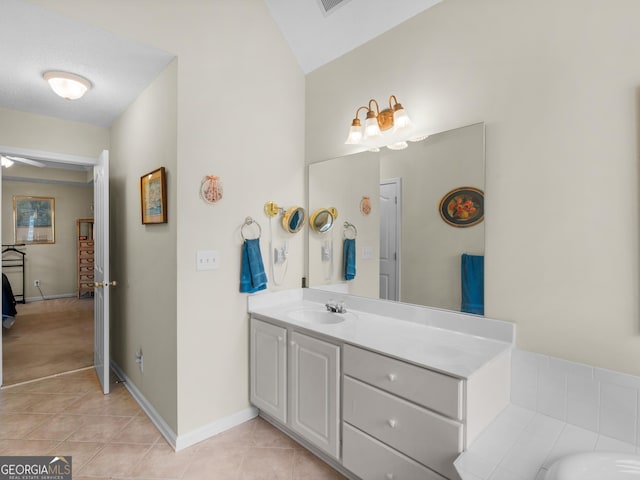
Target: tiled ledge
521 444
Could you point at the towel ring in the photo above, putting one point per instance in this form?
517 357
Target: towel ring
247 223
350 226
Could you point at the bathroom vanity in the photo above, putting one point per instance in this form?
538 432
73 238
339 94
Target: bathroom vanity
384 390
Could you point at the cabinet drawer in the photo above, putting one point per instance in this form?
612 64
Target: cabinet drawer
425 387
372 460
86 244
427 437
85 260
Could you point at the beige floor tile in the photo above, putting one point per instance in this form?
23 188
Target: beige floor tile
115 460
266 435
98 428
58 427
80 452
19 425
268 464
76 383
138 430
306 466
239 436
163 462
221 463
118 402
26 447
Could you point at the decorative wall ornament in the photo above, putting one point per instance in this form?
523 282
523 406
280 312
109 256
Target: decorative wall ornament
211 189
462 207
365 206
34 219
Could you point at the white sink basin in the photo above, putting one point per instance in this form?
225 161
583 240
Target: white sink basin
308 315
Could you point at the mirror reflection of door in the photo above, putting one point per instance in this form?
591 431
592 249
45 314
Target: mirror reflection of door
390 218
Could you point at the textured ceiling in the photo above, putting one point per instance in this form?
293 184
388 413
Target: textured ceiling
317 38
33 40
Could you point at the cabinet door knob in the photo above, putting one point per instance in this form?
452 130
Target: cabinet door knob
392 377
292 343
392 423
389 476
280 339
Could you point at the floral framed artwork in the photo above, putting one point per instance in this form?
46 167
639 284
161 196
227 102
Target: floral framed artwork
153 197
462 207
34 219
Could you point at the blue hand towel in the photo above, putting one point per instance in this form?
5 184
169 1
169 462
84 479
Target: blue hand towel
349 256
252 275
472 284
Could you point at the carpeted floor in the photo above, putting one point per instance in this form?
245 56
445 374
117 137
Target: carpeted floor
51 336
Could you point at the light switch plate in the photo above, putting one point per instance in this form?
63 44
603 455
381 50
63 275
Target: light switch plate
207 260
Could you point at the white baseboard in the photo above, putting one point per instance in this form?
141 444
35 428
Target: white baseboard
215 428
180 442
164 428
50 297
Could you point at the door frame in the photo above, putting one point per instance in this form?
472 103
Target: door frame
44 156
397 181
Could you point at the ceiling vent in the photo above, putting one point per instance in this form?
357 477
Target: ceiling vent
328 6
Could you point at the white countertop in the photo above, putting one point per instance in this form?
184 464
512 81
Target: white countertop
451 352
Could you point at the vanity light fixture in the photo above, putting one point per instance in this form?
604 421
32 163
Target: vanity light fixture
395 117
5 161
67 85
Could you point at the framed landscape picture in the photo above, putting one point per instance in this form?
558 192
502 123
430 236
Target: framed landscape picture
34 219
153 196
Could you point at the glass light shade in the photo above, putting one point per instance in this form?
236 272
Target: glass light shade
6 162
401 120
355 135
397 146
67 85
371 128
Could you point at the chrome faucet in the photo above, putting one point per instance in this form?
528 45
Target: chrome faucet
335 307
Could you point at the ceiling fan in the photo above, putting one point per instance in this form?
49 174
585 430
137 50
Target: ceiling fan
8 160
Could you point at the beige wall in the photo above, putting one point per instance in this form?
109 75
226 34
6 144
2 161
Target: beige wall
557 85
37 132
431 249
55 265
341 183
240 113
143 257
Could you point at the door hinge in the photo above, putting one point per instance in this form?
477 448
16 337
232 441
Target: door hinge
395 256
395 199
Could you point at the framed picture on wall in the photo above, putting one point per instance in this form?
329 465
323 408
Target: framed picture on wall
34 219
462 207
153 197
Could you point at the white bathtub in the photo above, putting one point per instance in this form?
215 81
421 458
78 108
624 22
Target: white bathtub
596 466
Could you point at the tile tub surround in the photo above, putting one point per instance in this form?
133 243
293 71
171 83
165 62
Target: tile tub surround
557 408
453 343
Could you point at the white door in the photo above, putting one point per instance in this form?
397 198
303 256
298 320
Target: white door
390 218
101 270
269 369
315 392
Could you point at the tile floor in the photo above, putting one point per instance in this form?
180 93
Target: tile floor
110 437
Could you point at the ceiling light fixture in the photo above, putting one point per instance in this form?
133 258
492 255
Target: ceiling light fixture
5 161
67 85
394 118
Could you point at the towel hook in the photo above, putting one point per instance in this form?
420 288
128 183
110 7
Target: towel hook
350 226
247 223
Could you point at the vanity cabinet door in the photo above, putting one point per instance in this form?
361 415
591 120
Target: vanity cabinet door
269 369
315 392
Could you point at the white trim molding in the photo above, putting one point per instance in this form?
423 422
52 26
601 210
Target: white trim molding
180 442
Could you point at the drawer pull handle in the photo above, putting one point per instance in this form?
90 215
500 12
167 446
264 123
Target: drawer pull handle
389 476
392 423
392 377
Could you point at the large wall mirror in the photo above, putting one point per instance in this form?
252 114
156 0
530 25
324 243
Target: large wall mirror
406 251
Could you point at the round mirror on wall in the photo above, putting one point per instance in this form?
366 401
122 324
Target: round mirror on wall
293 219
323 219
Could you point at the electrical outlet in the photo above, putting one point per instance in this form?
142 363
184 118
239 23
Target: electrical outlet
140 360
36 283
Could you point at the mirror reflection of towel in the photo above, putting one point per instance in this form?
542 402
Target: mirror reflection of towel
252 275
472 284
349 256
